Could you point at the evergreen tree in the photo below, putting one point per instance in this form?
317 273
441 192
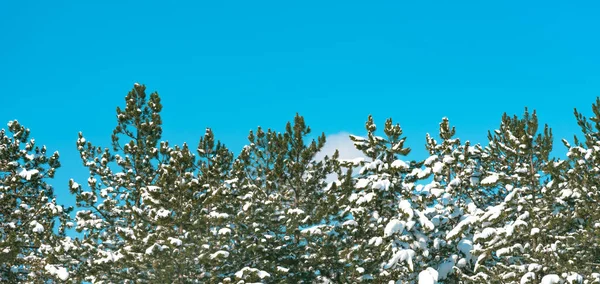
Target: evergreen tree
33 244
156 213
513 236
122 211
451 201
576 203
279 185
377 208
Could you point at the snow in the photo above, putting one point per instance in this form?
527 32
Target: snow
174 241
423 173
153 188
362 183
366 198
394 226
565 193
315 230
430 160
489 180
493 212
459 227
223 253
455 182
295 211
446 267
510 196
224 231
375 241
150 249
163 213
574 278
59 272
406 207
550 279
27 174
425 222
214 214
486 233
534 267
261 274
502 251
428 276
528 277
399 164
465 246
400 256
381 184
37 227
448 159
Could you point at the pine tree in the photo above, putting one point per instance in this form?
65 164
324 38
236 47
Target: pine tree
376 207
575 208
122 212
279 185
512 238
215 209
451 203
33 244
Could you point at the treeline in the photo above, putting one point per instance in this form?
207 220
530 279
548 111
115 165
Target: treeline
152 212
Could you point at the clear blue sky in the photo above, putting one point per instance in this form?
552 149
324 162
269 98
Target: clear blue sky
234 65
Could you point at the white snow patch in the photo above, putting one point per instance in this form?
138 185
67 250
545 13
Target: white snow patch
446 267
27 174
174 241
362 183
37 227
528 277
430 160
394 226
489 180
295 211
223 253
399 164
406 207
59 272
400 256
428 276
261 274
550 279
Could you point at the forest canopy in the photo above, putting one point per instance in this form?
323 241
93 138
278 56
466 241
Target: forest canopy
505 211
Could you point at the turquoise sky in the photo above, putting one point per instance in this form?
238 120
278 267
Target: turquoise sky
234 65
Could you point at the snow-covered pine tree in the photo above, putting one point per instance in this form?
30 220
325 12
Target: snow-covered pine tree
279 185
214 216
133 214
374 245
33 245
513 241
171 249
575 229
450 201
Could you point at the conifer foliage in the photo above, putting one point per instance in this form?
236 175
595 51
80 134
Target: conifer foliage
33 245
153 212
